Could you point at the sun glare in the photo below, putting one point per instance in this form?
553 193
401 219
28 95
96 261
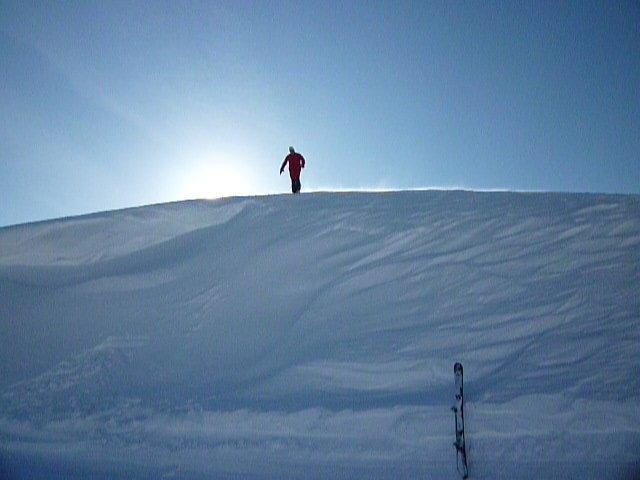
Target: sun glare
214 180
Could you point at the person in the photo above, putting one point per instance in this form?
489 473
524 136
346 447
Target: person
296 163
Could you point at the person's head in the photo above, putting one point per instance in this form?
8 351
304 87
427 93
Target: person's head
291 150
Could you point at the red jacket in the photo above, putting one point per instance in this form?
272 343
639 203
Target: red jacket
296 163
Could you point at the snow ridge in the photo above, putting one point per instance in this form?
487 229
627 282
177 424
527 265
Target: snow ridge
314 336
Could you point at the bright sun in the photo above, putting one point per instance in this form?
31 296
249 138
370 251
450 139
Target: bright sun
214 180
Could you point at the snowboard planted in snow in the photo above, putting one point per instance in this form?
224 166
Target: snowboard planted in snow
458 410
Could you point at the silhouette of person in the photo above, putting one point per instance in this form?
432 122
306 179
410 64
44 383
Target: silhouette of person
296 164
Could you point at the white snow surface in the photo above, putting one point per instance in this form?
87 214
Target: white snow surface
314 336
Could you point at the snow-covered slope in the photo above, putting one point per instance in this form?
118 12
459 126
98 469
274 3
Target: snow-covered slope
314 337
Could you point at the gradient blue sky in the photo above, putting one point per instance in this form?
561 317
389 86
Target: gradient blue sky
111 104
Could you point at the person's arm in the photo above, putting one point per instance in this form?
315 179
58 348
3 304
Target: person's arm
286 159
301 161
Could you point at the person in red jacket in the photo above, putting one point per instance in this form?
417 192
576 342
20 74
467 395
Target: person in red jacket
296 163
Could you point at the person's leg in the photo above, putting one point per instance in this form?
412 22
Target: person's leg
295 186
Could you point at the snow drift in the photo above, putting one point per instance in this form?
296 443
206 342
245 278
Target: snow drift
314 337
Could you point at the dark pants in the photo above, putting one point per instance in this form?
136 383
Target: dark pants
295 185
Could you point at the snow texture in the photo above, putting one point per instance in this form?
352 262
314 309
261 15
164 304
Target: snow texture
314 336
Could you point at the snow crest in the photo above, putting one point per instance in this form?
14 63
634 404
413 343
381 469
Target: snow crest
314 337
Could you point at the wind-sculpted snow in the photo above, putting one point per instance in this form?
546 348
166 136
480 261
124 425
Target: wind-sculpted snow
111 244
314 337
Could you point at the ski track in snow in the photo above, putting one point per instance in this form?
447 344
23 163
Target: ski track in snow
314 337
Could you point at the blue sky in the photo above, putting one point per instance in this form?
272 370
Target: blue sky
112 104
